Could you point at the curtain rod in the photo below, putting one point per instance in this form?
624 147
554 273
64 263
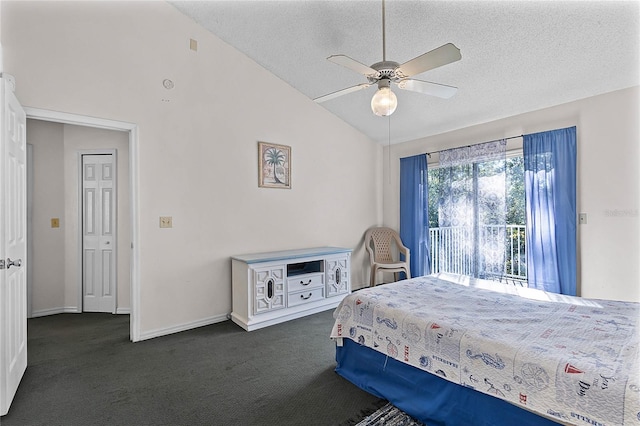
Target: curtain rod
479 143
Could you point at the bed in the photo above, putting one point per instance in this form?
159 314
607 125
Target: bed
451 350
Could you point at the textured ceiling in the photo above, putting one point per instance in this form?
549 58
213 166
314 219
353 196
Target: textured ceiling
517 56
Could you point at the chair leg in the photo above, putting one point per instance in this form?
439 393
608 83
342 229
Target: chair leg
408 273
372 280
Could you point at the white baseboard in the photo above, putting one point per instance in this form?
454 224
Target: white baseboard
71 310
55 311
145 335
182 327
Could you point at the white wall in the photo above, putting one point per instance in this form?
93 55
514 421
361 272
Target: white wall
56 280
48 260
197 145
608 182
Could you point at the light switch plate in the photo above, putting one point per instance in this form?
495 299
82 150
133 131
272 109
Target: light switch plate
166 222
55 222
582 218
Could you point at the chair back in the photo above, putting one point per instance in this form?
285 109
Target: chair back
382 240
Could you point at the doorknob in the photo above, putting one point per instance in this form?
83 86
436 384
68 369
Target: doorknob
11 263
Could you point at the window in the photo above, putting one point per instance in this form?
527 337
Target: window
474 240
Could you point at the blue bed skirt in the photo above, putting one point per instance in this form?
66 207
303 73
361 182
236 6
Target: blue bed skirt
424 396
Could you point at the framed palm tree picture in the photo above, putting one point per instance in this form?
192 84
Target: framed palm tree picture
274 165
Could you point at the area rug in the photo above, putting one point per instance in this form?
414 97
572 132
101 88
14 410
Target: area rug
389 416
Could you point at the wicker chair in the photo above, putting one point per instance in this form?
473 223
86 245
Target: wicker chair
379 243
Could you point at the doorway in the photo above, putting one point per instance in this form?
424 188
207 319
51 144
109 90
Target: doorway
71 235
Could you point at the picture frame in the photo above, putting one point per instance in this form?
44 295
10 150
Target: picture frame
274 165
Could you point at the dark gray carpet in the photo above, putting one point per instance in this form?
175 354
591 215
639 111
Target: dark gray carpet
83 370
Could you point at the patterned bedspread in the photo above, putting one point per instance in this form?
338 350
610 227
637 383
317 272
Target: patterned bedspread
575 360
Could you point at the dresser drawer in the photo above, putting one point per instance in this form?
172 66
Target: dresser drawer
305 296
305 282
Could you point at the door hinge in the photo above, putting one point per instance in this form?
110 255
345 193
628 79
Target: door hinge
1 263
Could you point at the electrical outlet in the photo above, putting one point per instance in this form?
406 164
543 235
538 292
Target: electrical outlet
166 222
55 222
582 218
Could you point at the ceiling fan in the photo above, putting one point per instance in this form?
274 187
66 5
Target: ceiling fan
383 73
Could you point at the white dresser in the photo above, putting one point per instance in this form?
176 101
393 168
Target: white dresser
273 287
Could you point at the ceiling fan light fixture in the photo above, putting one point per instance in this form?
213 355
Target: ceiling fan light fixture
384 102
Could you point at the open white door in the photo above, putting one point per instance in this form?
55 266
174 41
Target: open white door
13 245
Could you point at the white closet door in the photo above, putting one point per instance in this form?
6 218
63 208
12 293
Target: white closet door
98 233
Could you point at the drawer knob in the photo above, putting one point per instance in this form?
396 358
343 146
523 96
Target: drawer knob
305 298
307 283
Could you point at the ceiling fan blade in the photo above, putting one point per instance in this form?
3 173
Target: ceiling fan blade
352 64
443 55
342 92
428 88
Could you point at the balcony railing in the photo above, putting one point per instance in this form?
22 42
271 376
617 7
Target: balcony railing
452 251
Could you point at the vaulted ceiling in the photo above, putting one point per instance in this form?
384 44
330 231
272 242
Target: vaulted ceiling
517 56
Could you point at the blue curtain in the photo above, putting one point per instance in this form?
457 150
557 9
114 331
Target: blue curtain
414 212
550 189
